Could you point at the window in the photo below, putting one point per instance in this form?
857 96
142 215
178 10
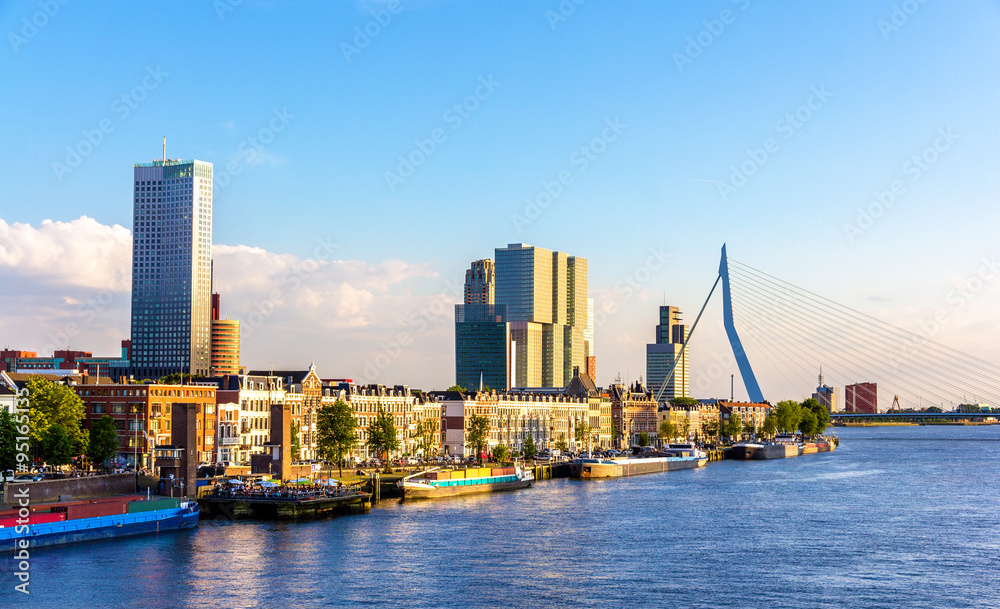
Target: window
98 408
118 408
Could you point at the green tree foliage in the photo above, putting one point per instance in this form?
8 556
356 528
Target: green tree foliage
686 428
787 415
296 431
734 427
561 442
769 427
934 409
530 450
427 437
56 446
51 404
177 378
710 429
821 413
8 441
477 434
382 434
500 453
643 439
807 422
667 431
458 388
750 428
684 401
336 432
582 434
103 441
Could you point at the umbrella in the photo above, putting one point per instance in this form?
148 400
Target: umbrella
302 480
235 481
269 484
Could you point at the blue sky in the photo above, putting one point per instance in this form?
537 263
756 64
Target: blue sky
555 85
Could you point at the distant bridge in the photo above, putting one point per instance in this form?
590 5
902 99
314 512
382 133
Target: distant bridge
914 417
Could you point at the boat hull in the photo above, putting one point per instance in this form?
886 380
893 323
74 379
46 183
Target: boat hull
105 527
428 492
632 467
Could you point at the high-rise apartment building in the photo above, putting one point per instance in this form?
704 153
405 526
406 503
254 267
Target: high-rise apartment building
861 398
545 294
661 355
825 394
480 282
171 268
482 346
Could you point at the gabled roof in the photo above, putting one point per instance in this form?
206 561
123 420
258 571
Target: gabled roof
582 386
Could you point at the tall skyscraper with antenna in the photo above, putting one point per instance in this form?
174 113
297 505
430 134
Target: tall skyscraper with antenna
171 268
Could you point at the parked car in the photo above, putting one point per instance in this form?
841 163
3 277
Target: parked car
30 477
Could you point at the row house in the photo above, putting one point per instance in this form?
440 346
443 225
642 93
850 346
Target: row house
365 401
633 412
142 416
303 391
751 414
689 419
247 400
598 408
546 417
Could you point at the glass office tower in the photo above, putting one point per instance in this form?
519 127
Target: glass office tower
171 268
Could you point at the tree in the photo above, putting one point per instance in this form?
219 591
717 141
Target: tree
382 434
178 378
427 437
667 431
103 441
769 427
582 434
458 388
734 427
478 434
500 453
336 433
822 414
51 404
710 428
643 439
750 428
8 441
529 450
787 415
684 401
807 422
561 442
934 409
687 428
296 430
56 446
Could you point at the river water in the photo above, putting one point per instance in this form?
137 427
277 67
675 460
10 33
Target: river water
896 517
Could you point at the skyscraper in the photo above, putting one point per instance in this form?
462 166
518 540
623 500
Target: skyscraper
661 355
480 283
171 268
545 293
482 346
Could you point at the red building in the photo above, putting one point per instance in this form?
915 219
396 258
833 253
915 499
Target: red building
861 398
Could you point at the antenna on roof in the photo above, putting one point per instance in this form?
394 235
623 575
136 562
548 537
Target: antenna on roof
164 150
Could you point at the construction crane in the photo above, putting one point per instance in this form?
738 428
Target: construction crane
895 404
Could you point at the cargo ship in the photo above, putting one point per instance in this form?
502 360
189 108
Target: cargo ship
449 483
651 462
49 524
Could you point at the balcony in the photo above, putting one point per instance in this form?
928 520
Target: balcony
230 441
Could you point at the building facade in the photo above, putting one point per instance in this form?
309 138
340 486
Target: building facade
633 413
482 346
225 347
750 414
861 398
825 395
545 293
171 268
480 283
661 355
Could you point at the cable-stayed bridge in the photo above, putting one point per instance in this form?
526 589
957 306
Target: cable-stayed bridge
793 334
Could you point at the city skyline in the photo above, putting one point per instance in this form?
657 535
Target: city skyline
323 241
